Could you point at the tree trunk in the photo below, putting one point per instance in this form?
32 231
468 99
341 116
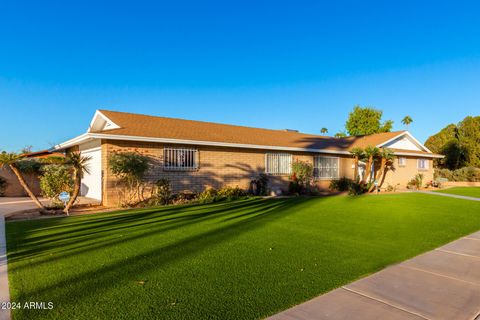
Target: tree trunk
380 173
76 191
355 172
27 188
368 169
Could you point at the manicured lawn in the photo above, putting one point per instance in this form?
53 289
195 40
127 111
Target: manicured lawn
463 191
239 260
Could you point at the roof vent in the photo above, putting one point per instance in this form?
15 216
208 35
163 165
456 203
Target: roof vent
290 130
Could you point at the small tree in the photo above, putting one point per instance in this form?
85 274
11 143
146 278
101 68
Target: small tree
358 154
130 168
302 174
386 161
79 166
323 130
371 153
54 180
10 160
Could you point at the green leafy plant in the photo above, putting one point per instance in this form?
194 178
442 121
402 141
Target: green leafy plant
130 168
366 120
162 193
79 165
301 178
231 193
54 180
342 184
416 182
208 195
259 186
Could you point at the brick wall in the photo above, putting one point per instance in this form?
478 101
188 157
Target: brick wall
14 189
218 166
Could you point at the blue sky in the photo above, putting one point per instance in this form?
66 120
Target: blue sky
289 64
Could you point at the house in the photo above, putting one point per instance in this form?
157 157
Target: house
195 155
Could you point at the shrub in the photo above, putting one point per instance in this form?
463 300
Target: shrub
259 186
3 186
358 188
130 168
231 193
416 182
470 174
301 178
162 193
54 180
208 195
29 166
342 184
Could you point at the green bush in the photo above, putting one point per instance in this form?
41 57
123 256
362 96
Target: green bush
54 180
259 186
3 186
471 174
208 195
162 193
342 184
358 188
416 182
231 193
301 178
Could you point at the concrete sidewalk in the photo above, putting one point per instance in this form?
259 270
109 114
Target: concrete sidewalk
440 284
449 195
4 291
9 205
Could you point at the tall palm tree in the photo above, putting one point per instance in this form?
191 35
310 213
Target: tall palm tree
407 120
79 165
10 160
371 153
323 130
386 159
357 153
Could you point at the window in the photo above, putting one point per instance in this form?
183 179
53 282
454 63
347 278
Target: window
422 164
325 167
278 163
180 159
402 161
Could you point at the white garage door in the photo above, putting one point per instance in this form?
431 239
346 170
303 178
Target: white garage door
92 181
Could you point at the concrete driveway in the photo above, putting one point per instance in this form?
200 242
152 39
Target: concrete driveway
9 205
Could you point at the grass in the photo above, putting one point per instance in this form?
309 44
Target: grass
238 260
463 191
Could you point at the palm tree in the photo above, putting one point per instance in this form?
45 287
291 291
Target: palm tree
358 153
371 153
10 160
79 166
386 159
323 130
407 120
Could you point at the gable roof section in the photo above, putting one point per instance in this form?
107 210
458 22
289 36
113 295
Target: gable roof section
138 127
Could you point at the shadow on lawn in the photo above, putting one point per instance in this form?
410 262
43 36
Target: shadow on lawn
254 214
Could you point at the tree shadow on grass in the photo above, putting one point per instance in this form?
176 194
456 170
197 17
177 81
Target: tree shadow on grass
69 243
104 278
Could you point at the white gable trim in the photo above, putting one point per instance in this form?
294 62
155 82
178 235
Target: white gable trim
101 122
408 134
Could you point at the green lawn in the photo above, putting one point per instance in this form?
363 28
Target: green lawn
463 191
238 260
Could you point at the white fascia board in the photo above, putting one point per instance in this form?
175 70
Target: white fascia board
406 133
419 155
210 143
73 142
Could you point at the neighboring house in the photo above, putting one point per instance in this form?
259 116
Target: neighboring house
195 155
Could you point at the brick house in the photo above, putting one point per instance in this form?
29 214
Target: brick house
195 155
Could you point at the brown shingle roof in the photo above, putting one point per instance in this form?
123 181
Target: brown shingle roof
170 128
